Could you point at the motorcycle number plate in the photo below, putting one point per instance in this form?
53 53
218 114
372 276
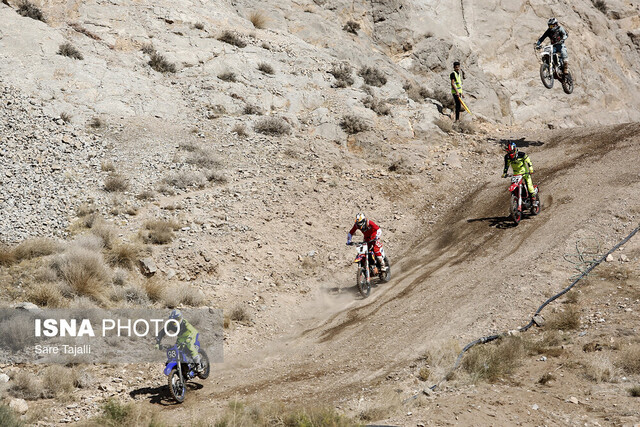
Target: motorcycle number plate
171 354
515 179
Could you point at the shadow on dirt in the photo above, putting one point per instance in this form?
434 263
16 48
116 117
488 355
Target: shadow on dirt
521 142
500 222
160 395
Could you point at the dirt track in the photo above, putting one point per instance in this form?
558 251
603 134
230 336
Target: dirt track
472 274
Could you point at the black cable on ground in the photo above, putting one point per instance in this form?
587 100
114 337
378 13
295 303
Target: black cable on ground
490 338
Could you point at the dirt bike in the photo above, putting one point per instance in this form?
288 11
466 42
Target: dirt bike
180 368
520 200
368 267
551 68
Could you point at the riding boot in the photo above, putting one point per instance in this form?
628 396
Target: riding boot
565 69
381 263
198 361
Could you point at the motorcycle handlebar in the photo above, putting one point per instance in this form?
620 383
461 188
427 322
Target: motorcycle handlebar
526 173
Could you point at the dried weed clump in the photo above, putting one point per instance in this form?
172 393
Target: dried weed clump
351 27
29 10
275 126
445 125
343 75
258 19
159 232
353 124
372 76
160 64
84 273
232 38
492 362
116 183
379 107
239 414
68 50
629 360
266 68
565 320
228 76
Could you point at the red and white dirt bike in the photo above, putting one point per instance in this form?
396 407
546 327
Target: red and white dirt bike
520 200
368 267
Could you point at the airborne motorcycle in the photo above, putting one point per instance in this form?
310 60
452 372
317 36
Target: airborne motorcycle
180 368
368 267
551 68
520 200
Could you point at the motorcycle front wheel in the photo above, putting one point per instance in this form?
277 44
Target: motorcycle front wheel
545 75
363 286
177 387
516 214
567 83
385 276
535 208
204 360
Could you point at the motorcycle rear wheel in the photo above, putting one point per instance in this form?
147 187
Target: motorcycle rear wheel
516 214
363 286
177 387
385 276
545 75
204 360
567 83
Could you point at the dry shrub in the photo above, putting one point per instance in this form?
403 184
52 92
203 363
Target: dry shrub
84 272
35 248
198 26
115 183
46 295
124 255
258 19
275 126
65 117
160 64
240 130
204 158
146 195
445 125
58 380
601 5
117 414
443 97
184 180
342 73
634 391
105 233
252 110
424 373
492 362
372 76
599 368
266 68
309 263
155 289
351 27
68 50
466 127
630 360
159 232
240 314
148 49
238 414
232 38
217 177
228 76
7 257
134 295
8 417
96 123
379 107
20 335
549 344
191 296
29 10
107 166
417 93
27 386
353 124
565 320
546 378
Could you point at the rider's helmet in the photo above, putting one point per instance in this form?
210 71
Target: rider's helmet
512 149
176 315
361 221
552 22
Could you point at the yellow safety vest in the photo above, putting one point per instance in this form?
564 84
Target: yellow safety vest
458 84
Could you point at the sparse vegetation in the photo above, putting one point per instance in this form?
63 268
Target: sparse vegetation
240 130
217 177
372 76
232 38
634 391
546 378
275 126
379 107
124 255
266 68
492 362
154 289
424 373
351 27
630 360
25 8
252 110
238 414
353 124
203 158
107 166
342 73
228 76
258 19
148 49
8 417
159 232
191 296
417 93
159 63
601 5
565 320
444 124
465 126
240 314
146 195
443 97
68 50
66 117
198 26
599 368
58 380
115 183
84 272
183 180
26 386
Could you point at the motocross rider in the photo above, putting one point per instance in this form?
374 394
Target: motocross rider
521 165
557 34
372 235
186 337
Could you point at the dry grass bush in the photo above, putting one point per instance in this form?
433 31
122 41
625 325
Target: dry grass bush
159 231
58 380
343 75
124 255
232 38
549 344
146 195
253 110
148 49
7 257
258 19
96 123
601 5
546 378
466 127
117 414
372 76
379 107
134 295
417 93
164 188
198 26
191 296
599 368
183 180
492 362
309 263
228 76
25 385
66 117
46 295
240 314
565 320
70 51
19 335
424 373
217 177
443 97
351 27
35 248
105 233
240 130
29 10
107 166
634 391
266 68
203 158
160 64
154 288
353 124
8 417
115 183
275 126
84 272
445 125
629 360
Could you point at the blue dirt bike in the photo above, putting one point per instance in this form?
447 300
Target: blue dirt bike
180 368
